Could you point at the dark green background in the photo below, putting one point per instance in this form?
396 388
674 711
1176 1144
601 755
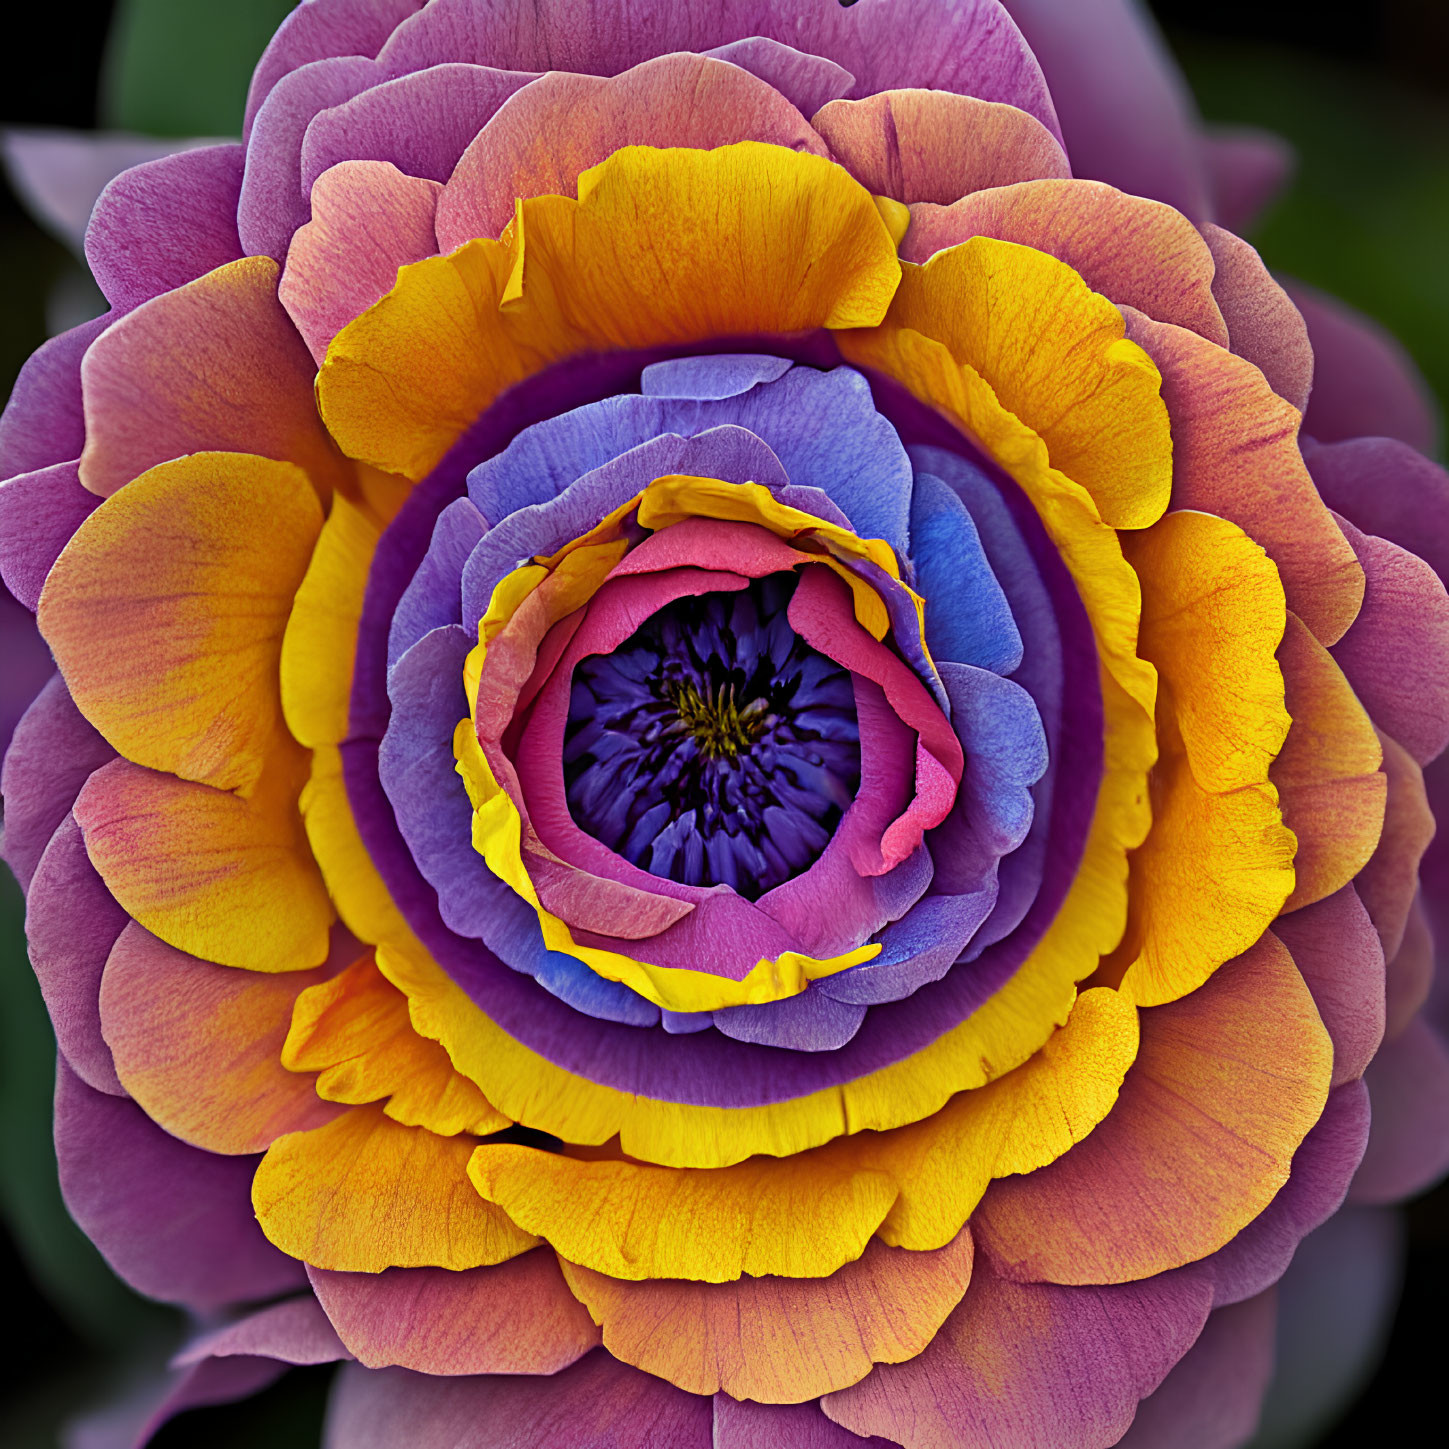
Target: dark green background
1363 98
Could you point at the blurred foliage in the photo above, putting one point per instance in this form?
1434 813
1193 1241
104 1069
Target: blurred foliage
1366 217
181 67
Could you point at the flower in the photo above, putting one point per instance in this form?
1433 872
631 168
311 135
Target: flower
719 774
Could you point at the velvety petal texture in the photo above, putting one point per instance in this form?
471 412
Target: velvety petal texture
739 733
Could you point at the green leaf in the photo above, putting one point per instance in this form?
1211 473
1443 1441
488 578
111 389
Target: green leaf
179 68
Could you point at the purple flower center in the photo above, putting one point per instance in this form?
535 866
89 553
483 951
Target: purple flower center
714 746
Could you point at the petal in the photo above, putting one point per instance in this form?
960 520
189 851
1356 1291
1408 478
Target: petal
1090 395
420 123
52 753
364 1193
1030 1366
166 612
1385 487
1263 324
806 80
544 137
747 1425
1328 778
1396 654
516 1317
1126 114
199 1046
1213 1396
38 514
1335 946
174 1222
403 381
165 223
42 424
71 923
212 366
355 1033
780 1340
918 145
595 1404
1139 253
368 220
1247 168
1235 454
227 879
1227 1083
1408 1147
1388 882
1364 382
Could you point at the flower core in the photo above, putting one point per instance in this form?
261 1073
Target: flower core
714 747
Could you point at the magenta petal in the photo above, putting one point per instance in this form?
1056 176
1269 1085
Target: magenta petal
1212 1399
1031 1366
781 1426
72 921
38 514
1364 383
52 754
164 224
598 1403
516 1318
174 1222
1341 958
1408 1146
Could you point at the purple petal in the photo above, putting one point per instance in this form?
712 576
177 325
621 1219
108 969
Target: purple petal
53 753
164 224
598 1403
806 81
174 1222
42 424
1126 114
72 921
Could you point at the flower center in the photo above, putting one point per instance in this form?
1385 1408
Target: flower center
714 746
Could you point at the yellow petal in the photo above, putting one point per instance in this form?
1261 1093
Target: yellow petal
364 1193
166 612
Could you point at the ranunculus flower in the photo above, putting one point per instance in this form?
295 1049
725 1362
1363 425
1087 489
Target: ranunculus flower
721 774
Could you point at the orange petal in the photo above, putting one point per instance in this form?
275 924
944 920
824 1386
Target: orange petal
1138 253
166 610
364 1193
544 136
354 1030
660 247
780 1340
1329 783
516 1317
935 146
199 1046
1263 324
1227 1083
1235 454
221 877
214 366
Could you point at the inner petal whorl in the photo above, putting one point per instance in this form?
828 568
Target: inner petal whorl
714 746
